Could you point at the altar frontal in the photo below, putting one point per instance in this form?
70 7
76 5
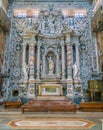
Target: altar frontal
50 89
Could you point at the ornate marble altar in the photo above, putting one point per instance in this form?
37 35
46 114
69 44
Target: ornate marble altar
51 36
44 49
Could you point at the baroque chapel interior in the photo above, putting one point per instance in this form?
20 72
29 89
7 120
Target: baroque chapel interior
51 54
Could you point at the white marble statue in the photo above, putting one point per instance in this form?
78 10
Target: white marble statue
25 72
75 71
51 65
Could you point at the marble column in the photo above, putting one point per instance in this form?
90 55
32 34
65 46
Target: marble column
69 57
63 61
69 68
77 58
24 65
31 59
38 62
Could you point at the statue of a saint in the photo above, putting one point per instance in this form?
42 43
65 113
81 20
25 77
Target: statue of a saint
75 71
51 65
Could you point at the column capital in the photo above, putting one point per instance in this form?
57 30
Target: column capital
68 44
62 43
38 45
24 44
32 43
32 34
67 38
76 39
77 44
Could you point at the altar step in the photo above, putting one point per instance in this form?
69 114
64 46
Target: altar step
50 97
35 105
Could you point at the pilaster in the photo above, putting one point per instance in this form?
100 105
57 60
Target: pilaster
32 59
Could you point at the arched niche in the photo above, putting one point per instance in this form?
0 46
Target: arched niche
52 56
50 53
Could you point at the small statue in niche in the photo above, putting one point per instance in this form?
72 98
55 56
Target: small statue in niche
75 71
51 65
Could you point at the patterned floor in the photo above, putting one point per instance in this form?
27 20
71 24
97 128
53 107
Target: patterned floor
51 123
16 116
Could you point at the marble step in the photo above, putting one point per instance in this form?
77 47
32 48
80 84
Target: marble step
54 105
51 97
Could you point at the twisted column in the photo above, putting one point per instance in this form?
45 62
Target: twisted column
69 57
77 58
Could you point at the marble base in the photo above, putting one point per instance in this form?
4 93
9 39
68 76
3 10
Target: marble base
52 97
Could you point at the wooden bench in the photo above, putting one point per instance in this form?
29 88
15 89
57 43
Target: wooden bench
12 104
91 106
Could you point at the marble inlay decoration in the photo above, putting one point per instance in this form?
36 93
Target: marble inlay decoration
54 123
48 46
